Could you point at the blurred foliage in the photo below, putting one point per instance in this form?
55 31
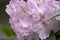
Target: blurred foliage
52 36
3 4
9 32
58 38
3 39
4 18
58 33
25 0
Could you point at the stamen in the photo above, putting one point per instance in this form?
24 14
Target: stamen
24 9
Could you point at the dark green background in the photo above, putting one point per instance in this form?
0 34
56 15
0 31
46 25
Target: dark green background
3 15
4 18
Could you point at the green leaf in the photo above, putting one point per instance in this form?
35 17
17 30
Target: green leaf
7 31
57 33
58 38
52 37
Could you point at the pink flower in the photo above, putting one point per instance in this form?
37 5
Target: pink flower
33 17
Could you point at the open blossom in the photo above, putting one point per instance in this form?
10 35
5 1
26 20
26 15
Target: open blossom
31 20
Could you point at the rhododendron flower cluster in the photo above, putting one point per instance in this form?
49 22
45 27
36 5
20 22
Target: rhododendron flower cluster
31 20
